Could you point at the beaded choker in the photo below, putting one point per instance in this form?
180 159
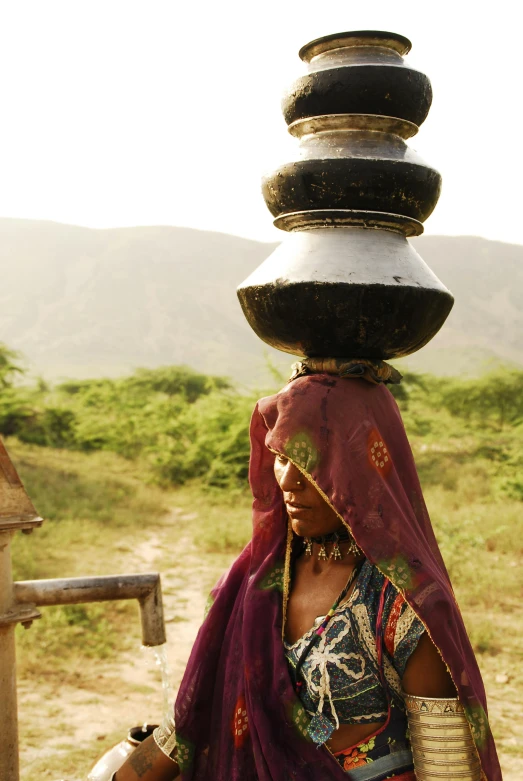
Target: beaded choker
342 535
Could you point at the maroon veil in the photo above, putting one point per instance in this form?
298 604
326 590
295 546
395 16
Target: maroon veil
237 716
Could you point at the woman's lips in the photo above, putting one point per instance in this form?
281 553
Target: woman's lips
297 509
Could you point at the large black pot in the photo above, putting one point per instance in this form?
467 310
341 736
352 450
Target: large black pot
358 73
345 292
390 186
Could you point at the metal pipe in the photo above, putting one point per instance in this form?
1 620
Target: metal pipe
145 588
9 768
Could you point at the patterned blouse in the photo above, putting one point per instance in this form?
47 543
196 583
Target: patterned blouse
340 675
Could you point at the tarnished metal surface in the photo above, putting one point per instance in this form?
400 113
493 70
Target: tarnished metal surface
347 292
8 705
368 122
16 509
356 38
332 218
23 522
357 171
16 512
358 73
145 588
345 282
20 614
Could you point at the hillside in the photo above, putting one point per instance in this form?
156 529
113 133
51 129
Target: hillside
486 323
80 302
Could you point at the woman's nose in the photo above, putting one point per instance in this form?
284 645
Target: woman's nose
292 479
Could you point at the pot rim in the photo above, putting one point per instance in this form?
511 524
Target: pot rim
143 730
378 123
348 218
395 41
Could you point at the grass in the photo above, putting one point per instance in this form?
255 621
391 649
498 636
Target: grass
218 521
64 762
95 506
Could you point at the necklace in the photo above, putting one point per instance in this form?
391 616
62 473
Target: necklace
342 535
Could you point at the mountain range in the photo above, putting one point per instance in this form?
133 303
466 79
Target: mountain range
80 302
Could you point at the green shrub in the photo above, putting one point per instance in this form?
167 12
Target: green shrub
186 425
495 400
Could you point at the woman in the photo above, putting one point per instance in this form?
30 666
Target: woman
337 622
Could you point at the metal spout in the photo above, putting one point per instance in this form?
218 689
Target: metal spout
145 588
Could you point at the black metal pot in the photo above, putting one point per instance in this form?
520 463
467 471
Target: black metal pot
390 186
358 73
345 292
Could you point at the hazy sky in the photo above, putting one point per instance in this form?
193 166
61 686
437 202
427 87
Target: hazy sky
153 112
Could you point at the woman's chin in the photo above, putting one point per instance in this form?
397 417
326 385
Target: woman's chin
302 527
308 527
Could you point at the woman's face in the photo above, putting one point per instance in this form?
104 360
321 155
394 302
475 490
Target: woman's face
310 514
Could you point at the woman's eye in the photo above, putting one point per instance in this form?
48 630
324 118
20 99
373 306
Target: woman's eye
282 460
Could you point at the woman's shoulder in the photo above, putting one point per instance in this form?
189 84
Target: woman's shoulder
372 585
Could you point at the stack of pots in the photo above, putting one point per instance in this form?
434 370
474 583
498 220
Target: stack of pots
346 282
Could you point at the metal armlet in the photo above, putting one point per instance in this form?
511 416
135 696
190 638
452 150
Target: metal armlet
441 740
165 737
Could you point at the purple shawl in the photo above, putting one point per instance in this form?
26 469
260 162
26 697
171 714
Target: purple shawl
237 716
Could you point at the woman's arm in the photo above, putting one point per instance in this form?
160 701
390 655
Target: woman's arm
426 674
148 763
441 740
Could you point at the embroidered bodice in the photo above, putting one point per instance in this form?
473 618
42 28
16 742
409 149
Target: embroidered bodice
340 675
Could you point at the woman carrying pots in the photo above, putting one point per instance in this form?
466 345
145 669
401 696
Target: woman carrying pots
333 648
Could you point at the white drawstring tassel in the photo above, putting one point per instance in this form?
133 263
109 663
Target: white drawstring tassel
325 689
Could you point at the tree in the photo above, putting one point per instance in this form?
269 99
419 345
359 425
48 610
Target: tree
9 366
494 399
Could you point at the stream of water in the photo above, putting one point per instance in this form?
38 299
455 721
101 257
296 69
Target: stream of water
159 659
114 758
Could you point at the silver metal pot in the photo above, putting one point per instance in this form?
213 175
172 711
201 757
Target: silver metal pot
113 759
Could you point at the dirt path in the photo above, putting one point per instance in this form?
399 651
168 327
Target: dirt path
71 725
96 711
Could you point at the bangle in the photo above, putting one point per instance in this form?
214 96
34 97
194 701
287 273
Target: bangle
441 740
165 737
